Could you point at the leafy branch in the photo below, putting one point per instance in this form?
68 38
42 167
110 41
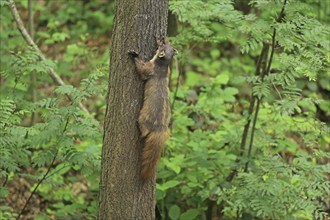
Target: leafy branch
262 69
30 41
264 73
37 186
45 176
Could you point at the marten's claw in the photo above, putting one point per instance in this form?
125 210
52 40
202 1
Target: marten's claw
133 53
160 41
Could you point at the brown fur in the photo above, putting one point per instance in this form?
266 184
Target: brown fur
153 147
154 115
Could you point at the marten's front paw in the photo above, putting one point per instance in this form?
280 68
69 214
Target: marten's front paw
160 41
133 53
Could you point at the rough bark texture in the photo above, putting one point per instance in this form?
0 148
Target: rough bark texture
122 193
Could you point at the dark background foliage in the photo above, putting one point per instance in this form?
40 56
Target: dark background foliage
51 148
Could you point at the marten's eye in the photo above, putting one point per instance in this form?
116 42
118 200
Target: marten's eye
162 53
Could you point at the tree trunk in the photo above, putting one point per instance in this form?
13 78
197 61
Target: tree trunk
122 193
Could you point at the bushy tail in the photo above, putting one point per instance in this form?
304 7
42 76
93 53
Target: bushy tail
152 150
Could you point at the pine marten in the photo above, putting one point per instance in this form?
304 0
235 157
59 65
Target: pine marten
154 115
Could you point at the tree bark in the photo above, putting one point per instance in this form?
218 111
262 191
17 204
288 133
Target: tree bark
122 193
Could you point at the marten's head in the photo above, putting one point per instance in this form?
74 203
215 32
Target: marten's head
165 52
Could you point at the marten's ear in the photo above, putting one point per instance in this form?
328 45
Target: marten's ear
162 53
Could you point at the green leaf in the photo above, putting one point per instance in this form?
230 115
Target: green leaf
193 78
168 185
174 167
74 49
189 215
228 94
57 37
174 212
221 79
215 54
65 89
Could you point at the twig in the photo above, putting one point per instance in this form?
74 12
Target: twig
33 74
252 134
278 19
29 40
44 176
176 86
36 187
56 171
264 52
6 180
264 73
262 76
266 68
278 92
30 20
281 15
